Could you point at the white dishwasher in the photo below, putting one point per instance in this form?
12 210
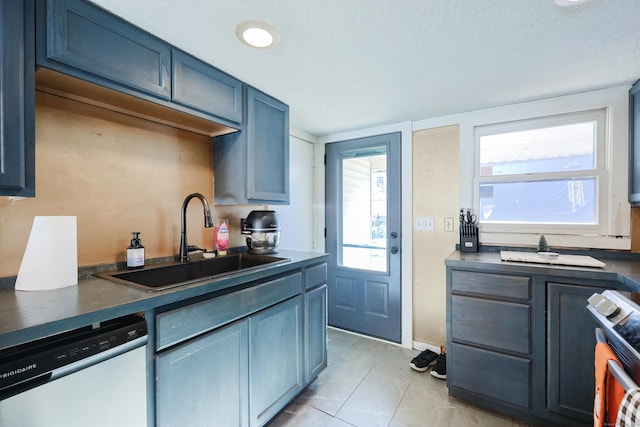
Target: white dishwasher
93 376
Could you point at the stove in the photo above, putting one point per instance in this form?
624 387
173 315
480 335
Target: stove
618 314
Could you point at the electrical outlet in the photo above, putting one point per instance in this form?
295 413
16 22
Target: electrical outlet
424 223
448 224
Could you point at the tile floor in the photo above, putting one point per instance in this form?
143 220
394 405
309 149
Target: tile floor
369 383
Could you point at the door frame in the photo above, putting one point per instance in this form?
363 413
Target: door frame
406 249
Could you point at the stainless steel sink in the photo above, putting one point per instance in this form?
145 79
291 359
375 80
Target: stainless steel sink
164 276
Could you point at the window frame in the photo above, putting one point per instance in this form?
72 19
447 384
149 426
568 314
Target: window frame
600 172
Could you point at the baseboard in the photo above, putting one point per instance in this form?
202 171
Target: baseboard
418 345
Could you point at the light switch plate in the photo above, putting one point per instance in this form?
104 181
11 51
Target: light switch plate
424 223
448 224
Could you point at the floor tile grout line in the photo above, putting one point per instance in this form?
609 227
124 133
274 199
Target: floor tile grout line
399 403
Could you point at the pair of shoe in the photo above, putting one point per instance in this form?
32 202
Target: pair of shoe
428 359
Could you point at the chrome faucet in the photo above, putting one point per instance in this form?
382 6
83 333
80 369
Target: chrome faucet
208 223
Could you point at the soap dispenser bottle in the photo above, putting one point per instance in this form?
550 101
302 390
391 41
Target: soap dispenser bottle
135 252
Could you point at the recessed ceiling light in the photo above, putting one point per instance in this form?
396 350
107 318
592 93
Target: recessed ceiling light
569 2
257 34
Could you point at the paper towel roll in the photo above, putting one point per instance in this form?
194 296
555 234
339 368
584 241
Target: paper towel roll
51 258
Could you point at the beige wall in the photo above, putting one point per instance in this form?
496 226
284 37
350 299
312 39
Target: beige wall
435 193
117 174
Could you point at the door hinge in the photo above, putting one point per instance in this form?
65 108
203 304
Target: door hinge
325 232
325 159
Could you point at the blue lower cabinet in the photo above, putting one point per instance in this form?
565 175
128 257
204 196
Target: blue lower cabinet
276 363
204 382
315 327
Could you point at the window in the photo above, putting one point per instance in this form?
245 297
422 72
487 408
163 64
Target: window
542 175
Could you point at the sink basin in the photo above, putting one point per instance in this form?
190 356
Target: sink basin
164 276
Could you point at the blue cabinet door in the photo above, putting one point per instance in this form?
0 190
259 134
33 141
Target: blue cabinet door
315 328
88 42
276 365
570 350
198 85
267 148
204 382
252 166
17 134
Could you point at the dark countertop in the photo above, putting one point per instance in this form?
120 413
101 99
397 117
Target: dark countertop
622 269
25 316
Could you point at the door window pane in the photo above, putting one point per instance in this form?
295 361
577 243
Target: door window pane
364 212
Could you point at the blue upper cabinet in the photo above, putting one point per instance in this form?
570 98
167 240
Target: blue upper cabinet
151 78
198 85
252 166
88 42
17 134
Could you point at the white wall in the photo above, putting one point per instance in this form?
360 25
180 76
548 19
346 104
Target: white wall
615 101
297 218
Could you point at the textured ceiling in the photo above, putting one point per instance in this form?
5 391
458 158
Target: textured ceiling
350 64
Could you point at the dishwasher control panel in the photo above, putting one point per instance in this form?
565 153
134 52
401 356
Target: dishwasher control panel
44 359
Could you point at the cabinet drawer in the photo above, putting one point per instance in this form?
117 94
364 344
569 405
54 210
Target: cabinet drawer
314 276
495 324
185 322
494 375
499 285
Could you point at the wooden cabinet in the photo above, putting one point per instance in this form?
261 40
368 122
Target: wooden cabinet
634 145
570 346
85 41
315 326
198 85
240 357
17 130
252 166
490 341
276 364
205 381
522 343
315 320
155 80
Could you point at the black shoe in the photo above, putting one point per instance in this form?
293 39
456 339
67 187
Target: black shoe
440 368
423 361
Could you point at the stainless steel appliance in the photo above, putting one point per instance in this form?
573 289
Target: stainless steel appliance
93 376
618 314
263 232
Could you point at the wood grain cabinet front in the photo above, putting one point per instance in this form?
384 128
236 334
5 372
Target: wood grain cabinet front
205 381
17 129
523 344
198 85
80 39
252 166
489 328
239 358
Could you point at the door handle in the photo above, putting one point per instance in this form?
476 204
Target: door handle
394 249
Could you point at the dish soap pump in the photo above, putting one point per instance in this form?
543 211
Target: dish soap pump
135 252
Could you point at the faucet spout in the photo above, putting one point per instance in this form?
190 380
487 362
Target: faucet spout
208 223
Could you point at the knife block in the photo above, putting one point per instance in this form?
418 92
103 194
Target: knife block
469 243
